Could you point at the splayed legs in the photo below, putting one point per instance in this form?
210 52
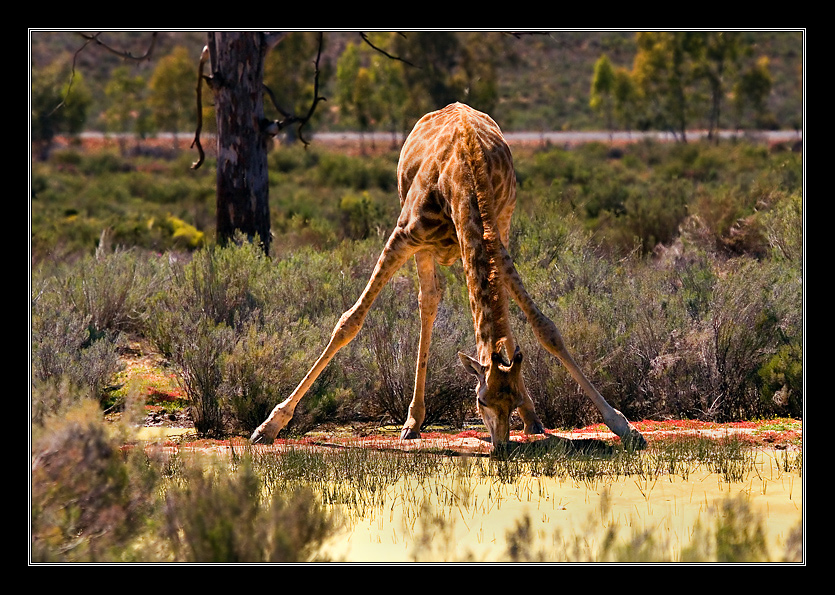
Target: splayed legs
549 336
394 255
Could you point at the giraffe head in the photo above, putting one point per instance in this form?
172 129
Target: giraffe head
499 391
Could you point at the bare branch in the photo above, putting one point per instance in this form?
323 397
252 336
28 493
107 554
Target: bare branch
289 118
364 37
204 56
316 97
72 78
94 38
287 115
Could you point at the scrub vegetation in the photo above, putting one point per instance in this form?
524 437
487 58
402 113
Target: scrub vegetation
674 272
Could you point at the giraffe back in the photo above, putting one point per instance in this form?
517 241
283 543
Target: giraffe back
435 177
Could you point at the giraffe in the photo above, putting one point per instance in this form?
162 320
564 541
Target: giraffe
457 189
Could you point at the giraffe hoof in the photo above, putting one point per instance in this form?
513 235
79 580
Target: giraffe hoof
535 428
634 440
409 434
258 437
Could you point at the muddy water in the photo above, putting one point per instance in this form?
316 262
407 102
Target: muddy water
567 520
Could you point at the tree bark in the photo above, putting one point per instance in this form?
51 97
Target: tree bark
237 60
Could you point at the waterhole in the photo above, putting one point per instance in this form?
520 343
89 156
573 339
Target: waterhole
647 517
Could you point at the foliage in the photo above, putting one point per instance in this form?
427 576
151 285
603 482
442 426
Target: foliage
70 357
527 82
289 74
752 89
392 334
95 500
603 89
674 272
354 89
733 534
59 104
90 501
736 536
289 527
136 198
128 111
171 86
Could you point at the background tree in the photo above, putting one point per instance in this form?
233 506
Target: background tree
355 89
127 111
718 60
625 98
478 70
602 94
430 84
664 71
389 84
243 132
289 74
59 104
172 91
236 81
752 90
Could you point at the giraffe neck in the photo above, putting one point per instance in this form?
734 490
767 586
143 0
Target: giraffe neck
480 253
488 301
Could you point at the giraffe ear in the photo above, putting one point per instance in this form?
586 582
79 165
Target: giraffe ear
472 365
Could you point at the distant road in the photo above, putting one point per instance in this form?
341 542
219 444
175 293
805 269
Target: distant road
569 137
558 138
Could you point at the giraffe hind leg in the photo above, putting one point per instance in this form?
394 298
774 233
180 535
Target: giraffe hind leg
429 298
397 250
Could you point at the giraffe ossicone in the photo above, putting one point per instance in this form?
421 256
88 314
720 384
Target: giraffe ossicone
457 188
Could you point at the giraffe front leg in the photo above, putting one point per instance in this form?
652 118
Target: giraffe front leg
428 299
346 329
277 420
549 336
398 249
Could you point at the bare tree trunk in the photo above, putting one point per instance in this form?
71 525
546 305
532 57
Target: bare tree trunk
237 60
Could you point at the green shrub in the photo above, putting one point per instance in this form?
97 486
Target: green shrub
90 501
360 215
337 170
735 536
241 327
70 358
782 381
266 362
223 284
197 319
685 336
112 289
656 294
732 533
783 225
184 234
98 164
76 196
288 527
200 354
